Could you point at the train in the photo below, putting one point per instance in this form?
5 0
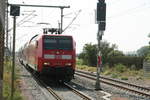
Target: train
50 55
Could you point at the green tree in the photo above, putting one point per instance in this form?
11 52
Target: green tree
115 53
147 58
108 51
89 53
143 51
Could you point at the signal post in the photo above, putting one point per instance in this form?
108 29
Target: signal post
14 11
101 20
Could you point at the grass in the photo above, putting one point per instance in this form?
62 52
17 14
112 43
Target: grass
118 71
124 78
86 68
114 75
7 83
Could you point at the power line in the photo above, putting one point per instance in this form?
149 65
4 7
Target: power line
72 20
24 35
114 2
23 20
130 11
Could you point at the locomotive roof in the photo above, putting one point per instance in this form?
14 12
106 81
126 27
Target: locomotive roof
54 35
38 36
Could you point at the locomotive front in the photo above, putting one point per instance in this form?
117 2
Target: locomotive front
58 56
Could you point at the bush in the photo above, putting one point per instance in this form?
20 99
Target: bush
79 62
107 72
127 61
120 68
114 75
86 68
139 78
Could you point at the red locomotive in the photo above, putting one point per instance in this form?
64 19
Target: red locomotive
51 55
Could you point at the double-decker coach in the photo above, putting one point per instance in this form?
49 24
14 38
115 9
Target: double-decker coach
52 55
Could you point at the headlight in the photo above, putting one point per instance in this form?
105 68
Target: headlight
46 63
68 64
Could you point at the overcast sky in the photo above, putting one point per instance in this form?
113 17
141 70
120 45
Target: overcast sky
127 22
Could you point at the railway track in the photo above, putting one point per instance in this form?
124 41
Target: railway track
85 97
142 91
58 97
41 83
56 94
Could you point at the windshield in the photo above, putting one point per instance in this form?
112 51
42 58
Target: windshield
58 42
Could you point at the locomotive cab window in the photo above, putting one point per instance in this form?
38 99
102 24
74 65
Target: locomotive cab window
58 42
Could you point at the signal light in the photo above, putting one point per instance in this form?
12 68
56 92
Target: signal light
101 11
102 25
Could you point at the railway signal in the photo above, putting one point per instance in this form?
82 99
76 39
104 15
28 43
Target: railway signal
101 10
101 19
102 25
101 14
14 11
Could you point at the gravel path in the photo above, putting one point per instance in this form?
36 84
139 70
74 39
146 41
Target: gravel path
30 88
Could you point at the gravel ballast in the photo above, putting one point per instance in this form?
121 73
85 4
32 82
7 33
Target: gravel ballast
30 88
32 91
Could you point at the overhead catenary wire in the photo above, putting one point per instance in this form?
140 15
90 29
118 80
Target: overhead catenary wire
19 24
72 20
131 11
114 2
23 20
27 18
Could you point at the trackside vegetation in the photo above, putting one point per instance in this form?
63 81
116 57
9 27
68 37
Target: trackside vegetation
119 71
116 64
110 56
7 83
